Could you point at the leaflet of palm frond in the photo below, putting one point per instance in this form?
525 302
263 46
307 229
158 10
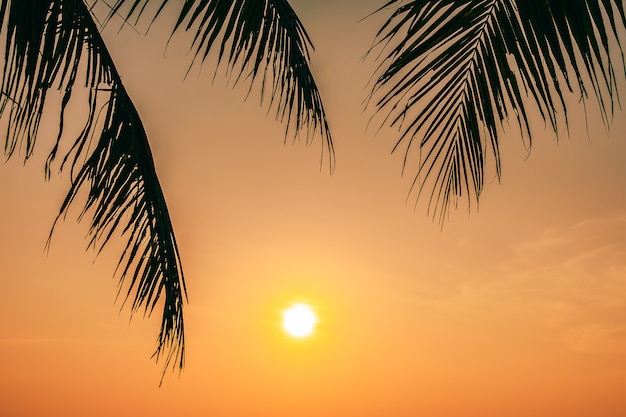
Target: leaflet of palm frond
454 70
56 43
578 34
24 72
122 196
257 39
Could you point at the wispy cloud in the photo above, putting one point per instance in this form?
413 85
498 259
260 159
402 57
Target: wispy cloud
573 280
569 281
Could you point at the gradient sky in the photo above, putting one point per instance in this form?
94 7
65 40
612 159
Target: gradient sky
517 309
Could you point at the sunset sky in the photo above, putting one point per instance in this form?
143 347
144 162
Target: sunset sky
514 309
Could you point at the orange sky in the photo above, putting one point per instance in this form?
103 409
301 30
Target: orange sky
516 310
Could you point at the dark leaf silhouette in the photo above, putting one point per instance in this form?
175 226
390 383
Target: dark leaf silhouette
57 44
257 39
453 70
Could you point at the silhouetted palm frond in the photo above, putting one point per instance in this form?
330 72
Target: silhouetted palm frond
257 39
55 44
454 70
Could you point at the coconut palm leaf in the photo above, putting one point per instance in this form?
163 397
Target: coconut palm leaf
257 39
265 37
453 71
55 44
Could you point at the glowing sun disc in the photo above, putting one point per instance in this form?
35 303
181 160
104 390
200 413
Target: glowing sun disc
299 320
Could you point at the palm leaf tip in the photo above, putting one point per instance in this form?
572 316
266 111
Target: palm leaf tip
264 41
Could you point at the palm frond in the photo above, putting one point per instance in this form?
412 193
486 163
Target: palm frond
577 35
453 70
55 44
257 39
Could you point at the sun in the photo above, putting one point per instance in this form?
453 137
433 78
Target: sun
299 320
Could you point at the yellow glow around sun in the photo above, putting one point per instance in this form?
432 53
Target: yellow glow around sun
299 320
